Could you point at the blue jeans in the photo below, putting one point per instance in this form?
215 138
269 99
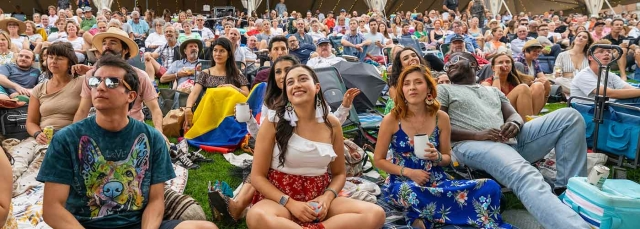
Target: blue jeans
563 130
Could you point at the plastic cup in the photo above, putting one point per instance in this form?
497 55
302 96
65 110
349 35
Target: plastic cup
242 112
419 145
316 206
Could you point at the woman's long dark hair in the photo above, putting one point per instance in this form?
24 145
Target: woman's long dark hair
514 76
273 94
284 130
231 69
397 68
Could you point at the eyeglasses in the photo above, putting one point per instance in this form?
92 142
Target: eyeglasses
455 60
110 82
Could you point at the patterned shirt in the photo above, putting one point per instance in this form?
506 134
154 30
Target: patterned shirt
536 66
210 81
166 54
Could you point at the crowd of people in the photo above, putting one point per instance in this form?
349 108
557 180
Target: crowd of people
479 103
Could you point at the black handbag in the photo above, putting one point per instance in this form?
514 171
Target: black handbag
13 122
170 99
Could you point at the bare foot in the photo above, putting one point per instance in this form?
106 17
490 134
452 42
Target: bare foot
236 209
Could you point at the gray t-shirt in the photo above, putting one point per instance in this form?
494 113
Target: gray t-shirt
26 79
585 82
472 107
127 28
374 50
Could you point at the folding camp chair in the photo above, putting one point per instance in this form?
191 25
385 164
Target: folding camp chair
444 49
333 90
612 127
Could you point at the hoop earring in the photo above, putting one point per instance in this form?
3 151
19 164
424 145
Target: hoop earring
319 110
429 99
290 114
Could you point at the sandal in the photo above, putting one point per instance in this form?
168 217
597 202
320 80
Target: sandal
219 204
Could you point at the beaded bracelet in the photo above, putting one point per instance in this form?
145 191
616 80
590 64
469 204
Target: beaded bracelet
335 194
402 171
437 161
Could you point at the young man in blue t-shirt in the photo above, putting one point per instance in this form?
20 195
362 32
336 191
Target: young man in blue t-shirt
108 170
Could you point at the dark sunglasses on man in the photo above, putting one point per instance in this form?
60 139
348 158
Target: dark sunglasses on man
110 82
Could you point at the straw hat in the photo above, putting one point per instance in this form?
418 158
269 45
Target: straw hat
118 34
21 26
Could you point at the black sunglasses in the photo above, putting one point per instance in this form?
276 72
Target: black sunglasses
111 82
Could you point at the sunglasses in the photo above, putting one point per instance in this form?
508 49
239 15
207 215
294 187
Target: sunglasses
110 82
455 60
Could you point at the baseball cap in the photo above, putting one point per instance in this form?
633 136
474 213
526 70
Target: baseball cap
457 38
86 9
343 10
323 40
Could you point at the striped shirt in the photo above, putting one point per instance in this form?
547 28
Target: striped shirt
564 61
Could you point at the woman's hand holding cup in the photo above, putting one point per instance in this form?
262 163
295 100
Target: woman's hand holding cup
431 153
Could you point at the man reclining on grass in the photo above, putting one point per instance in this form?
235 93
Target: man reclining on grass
482 120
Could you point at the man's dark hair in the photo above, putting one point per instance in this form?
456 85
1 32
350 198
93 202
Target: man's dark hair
278 39
372 20
130 76
617 19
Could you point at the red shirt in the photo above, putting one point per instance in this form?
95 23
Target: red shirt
330 22
506 90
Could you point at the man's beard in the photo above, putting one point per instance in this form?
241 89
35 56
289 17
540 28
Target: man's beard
172 39
193 54
111 52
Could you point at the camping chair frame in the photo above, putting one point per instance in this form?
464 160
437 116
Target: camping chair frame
601 101
353 119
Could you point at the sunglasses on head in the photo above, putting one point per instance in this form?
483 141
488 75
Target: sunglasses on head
110 82
455 60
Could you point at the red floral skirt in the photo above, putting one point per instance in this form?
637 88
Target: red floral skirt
300 188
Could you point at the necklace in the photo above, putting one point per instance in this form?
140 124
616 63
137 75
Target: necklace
416 127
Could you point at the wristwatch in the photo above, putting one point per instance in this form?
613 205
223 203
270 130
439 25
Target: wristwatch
35 135
283 200
496 77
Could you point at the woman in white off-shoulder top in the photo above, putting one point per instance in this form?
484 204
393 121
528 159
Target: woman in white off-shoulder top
299 165
234 208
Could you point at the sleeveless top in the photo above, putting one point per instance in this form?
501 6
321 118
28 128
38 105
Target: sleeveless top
304 157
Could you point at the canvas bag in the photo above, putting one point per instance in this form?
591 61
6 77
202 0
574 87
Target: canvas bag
355 159
172 123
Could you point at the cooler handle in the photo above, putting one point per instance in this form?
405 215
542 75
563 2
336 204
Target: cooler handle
610 221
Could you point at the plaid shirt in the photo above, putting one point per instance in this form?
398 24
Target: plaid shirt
166 54
536 65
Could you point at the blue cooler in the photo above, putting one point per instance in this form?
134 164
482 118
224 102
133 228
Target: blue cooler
616 206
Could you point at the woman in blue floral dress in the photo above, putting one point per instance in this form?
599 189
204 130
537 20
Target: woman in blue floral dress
428 195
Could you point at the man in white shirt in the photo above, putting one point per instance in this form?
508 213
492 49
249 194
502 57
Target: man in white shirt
518 43
585 83
325 58
206 33
375 50
315 31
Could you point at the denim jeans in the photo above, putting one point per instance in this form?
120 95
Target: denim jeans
563 130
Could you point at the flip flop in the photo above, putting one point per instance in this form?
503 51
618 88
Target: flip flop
220 203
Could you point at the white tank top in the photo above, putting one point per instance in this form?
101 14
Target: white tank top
304 157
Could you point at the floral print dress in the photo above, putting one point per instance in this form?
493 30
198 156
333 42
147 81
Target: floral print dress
442 200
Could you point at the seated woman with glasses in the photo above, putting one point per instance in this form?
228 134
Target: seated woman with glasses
417 182
52 104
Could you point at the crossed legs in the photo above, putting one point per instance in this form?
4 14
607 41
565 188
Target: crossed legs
520 98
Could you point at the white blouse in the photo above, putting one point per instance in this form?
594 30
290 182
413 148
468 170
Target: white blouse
304 157
155 39
252 125
564 61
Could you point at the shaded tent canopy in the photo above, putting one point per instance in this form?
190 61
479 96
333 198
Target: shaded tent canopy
536 7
